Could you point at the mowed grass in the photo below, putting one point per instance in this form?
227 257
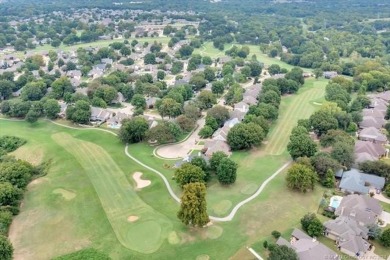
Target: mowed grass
117 196
292 109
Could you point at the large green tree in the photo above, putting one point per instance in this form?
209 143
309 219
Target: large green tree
301 145
6 249
216 159
282 253
188 173
193 207
227 171
133 130
301 177
244 136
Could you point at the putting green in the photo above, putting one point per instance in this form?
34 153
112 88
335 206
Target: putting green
144 235
67 195
202 257
118 198
249 189
222 207
214 232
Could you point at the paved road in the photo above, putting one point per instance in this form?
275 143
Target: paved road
166 182
181 150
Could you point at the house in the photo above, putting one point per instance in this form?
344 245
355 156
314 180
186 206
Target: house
330 74
221 134
349 235
378 104
95 73
375 150
232 122
237 114
63 107
376 113
372 134
361 208
306 247
151 102
99 115
370 121
349 229
116 121
107 61
213 146
278 76
101 67
189 158
241 106
250 100
354 181
74 74
385 96
75 82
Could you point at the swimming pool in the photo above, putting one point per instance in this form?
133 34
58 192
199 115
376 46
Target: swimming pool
335 201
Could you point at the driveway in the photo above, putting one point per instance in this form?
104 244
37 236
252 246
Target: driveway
385 216
181 150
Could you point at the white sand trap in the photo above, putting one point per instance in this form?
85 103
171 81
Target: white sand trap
132 218
140 183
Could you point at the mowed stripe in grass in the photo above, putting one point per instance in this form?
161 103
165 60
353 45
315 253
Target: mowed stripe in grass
299 108
117 196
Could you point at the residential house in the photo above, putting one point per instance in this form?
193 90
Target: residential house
250 100
330 74
372 134
116 121
278 76
349 229
237 114
75 82
375 150
74 74
349 235
376 113
370 121
232 122
63 107
107 61
99 115
212 146
306 247
151 102
241 106
189 158
221 133
354 181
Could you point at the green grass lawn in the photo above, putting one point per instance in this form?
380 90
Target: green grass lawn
91 179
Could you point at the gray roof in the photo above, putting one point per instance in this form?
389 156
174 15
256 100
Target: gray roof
370 121
361 208
374 149
308 248
355 181
349 233
372 133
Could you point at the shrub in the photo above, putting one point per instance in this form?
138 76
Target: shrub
276 234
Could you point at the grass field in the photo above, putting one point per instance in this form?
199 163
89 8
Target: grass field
90 191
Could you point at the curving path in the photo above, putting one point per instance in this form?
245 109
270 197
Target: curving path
166 182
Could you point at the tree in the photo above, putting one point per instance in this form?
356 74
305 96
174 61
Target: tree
323 162
220 113
125 51
276 234
9 195
274 69
343 153
186 51
61 86
188 173
301 177
185 123
169 107
133 130
193 207
197 82
322 121
6 249
296 74
5 221
79 113
150 58
201 163
256 68
209 74
270 97
51 108
315 228
379 168
216 159
301 145
6 87
138 101
244 136
34 91
385 238
307 220
227 171
374 231
218 87
206 132
32 116
282 252
160 75
206 99
164 132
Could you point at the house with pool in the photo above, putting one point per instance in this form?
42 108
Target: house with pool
356 182
349 230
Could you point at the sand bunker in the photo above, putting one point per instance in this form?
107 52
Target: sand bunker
132 218
140 183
